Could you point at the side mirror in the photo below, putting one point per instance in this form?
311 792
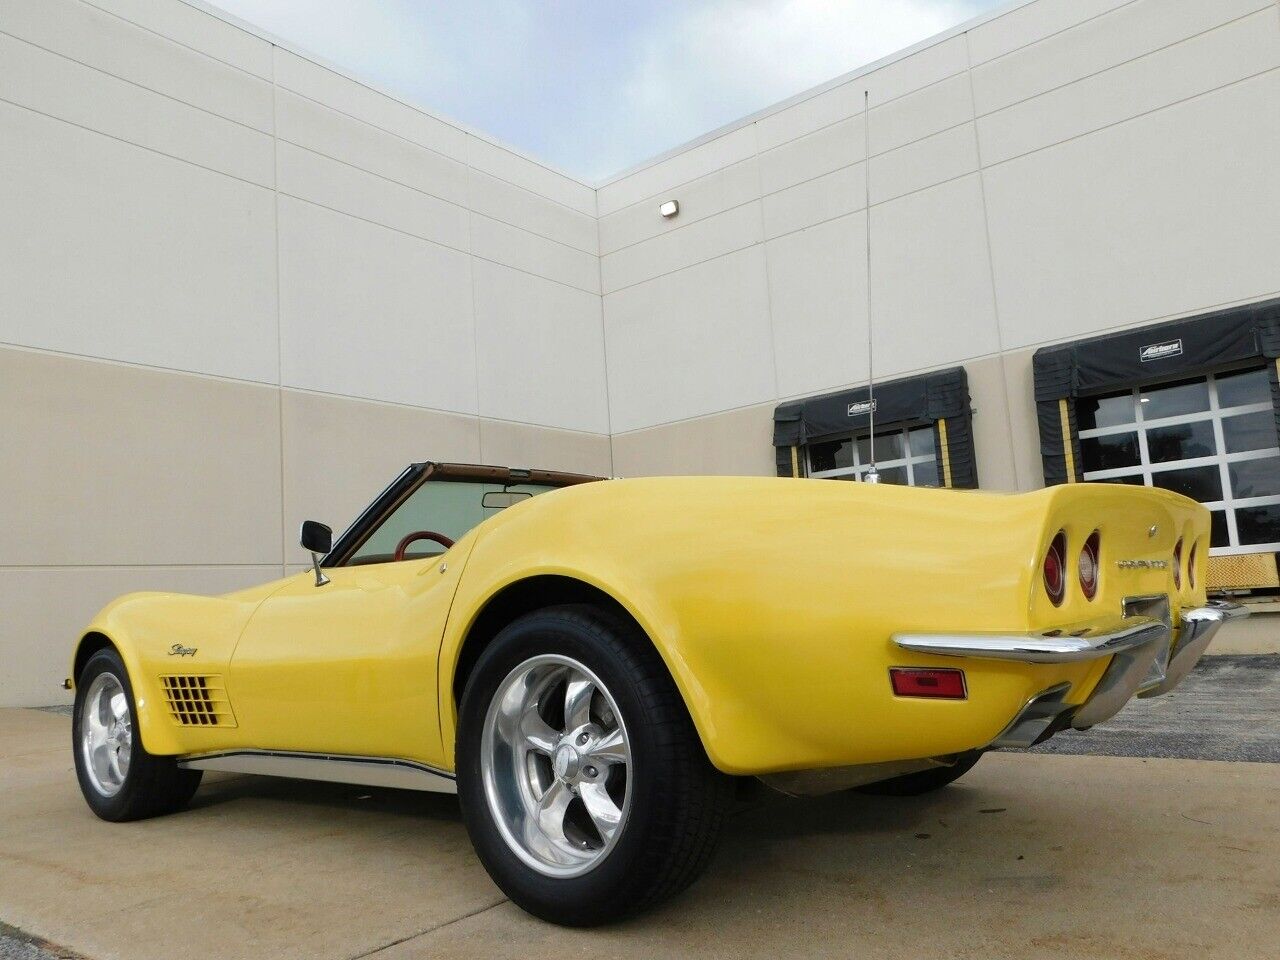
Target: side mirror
316 538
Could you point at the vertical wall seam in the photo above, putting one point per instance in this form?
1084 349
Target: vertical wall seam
475 311
764 252
275 188
991 265
604 340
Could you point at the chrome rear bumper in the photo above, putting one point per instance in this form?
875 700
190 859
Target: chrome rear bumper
1144 660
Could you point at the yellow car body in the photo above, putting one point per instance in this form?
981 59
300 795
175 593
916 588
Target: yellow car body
778 605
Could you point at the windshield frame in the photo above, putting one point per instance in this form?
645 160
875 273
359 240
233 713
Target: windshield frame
415 475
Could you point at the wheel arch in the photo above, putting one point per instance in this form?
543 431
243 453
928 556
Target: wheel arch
89 644
538 592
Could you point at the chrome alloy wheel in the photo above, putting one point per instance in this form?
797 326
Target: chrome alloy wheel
555 762
106 734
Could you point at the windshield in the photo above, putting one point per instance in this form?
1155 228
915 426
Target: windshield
447 507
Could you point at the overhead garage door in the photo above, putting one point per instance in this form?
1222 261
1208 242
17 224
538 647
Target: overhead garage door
1189 406
923 438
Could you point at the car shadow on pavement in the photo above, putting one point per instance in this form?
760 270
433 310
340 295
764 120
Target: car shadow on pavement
223 788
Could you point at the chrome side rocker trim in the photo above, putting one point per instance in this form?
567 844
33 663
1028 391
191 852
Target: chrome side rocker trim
362 771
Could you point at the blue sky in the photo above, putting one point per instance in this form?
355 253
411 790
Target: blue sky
596 86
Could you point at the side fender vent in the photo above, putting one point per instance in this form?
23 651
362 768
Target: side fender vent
198 701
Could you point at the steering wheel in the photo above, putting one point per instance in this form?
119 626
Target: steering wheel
439 538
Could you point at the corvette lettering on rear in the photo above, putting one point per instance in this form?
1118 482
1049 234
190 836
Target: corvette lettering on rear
1142 564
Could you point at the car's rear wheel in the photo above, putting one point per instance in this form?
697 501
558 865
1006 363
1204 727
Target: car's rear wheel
925 781
119 779
584 785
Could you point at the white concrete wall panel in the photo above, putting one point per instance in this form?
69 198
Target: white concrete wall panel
1167 214
687 165
937 107
540 351
321 180
690 343
366 311
316 82
104 42
936 159
894 80
814 201
1129 32
324 130
699 199
1238 50
507 165
122 253
531 212
703 240
1024 25
505 244
818 300
197 30
931 279
62 88
839 145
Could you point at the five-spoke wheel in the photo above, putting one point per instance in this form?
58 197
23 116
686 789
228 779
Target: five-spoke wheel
582 780
120 780
106 735
555 764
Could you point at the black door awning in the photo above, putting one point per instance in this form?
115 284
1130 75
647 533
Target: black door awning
930 398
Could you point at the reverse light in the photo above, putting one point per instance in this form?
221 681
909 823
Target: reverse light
1088 566
1177 565
946 684
1055 575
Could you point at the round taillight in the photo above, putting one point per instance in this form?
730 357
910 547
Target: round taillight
1088 566
1177 565
1055 577
1191 566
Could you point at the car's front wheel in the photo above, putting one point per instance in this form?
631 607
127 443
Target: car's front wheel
119 779
583 783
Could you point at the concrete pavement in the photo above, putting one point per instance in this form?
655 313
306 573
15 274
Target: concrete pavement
1028 856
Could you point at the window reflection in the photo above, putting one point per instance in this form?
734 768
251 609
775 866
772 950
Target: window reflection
1175 399
1181 441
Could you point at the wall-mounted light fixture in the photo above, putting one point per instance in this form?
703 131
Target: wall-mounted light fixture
669 209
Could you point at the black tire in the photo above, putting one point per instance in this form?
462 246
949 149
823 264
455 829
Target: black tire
926 781
153 785
677 798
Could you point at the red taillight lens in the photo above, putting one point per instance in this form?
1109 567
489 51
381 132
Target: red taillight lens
1191 566
1055 577
1177 565
1088 566
939 684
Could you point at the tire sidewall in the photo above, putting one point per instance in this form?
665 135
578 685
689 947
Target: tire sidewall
114 807
571 899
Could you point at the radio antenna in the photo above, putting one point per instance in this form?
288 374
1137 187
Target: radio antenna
872 475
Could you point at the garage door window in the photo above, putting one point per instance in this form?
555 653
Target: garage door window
1210 438
905 457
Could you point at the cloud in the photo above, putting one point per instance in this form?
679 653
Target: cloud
596 87
726 59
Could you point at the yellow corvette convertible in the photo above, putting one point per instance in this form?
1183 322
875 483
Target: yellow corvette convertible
591 664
